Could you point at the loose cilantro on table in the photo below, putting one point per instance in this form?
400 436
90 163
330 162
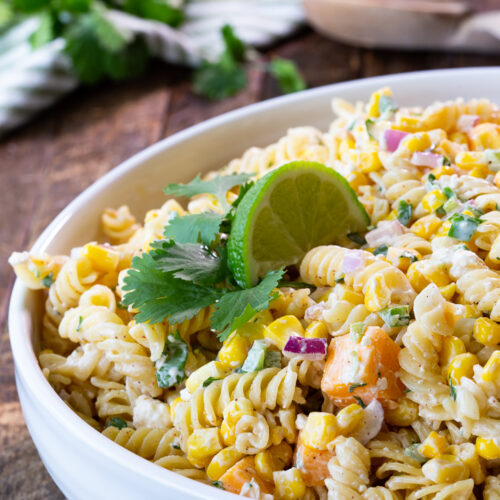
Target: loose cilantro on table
170 367
287 75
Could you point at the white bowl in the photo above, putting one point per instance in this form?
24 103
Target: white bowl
84 464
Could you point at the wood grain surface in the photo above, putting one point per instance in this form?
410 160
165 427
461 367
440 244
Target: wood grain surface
47 163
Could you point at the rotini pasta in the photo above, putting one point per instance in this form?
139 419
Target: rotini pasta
392 391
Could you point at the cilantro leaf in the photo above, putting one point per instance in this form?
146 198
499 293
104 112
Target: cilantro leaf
108 35
220 79
192 228
117 422
405 211
189 261
159 295
287 75
30 5
170 367
235 308
234 45
218 186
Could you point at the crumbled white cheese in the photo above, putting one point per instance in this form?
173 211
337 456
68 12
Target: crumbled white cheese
149 412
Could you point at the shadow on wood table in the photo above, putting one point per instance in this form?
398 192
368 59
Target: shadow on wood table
47 163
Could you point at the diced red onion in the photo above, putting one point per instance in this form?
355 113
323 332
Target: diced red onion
353 260
467 122
426 159
308 349
385 233
392 138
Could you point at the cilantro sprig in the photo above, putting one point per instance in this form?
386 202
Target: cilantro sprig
188 271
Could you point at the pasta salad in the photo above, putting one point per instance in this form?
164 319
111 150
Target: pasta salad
367 369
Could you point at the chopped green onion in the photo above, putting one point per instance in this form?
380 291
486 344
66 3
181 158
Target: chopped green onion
448 192
463 226
356 331
80 321
451 205
255 358
272 359
386 105
412 452
408 255
395 316
404 212
352 125
446 161
369 124
48 280
339 277
381 250
430 184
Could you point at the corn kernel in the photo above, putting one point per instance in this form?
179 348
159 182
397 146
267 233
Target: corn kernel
481 172
433 446
462 366
214 369
485 136
320 429
273 459
376 294
281 329
422 273
448 291
404 414
202 445
488 448
350 419
234 351
316 330
445 469
409 124
433 200
451 347
467 160
460 138
289 484
373 104
102 258
487 331
419 141
223 461
392 215
369 162
444 229
357 179
491 370
427 226
444 170
467 453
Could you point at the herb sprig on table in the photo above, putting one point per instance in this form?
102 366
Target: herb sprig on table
100 49
188 270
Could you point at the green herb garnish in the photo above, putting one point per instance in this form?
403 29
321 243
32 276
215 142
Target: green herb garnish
117 422
463 226
352 387
287 75
218 484
359 401
369 125
381 250
80 321
404 212
395 316
48 280
170 367
208 381
357 238
453 391
412 452
356 331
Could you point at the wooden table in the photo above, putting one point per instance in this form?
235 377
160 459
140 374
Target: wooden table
47 163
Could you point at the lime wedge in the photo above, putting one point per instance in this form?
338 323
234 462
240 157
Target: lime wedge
290 210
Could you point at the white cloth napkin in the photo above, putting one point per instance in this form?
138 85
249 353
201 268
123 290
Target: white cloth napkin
31 80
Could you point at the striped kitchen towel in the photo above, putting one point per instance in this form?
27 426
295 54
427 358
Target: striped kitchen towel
31 80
